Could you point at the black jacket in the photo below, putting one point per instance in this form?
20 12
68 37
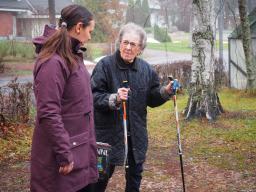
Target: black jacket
107 77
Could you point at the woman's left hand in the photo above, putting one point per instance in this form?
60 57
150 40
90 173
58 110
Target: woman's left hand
66 169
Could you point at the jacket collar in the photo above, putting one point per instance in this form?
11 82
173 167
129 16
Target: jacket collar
124 66
76 46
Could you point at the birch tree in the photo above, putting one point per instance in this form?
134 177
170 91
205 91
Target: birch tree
247 46
203 97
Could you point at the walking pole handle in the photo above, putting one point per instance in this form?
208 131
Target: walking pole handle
175 84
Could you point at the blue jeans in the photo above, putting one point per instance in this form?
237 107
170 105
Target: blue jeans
133 175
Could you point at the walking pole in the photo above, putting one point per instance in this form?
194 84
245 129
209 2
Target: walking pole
126 165
176 86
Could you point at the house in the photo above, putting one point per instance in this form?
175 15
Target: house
156 15
237 66
25 19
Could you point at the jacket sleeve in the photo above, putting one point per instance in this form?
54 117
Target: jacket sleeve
103 99
156 96
49 86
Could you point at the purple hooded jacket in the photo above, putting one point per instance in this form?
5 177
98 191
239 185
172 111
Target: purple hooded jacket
64 131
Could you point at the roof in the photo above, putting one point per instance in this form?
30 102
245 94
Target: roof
236 34
35 6
14 4
42 5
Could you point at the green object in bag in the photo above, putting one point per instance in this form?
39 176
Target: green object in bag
103 150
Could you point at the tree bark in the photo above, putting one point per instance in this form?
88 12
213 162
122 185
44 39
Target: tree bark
247 45
203 98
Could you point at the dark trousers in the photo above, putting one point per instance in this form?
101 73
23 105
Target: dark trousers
133 175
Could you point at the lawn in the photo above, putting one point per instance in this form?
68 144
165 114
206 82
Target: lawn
218 156
227 144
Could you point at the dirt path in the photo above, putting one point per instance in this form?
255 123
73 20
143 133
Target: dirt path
161 174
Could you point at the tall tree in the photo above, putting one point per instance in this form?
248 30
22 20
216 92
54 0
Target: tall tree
203 97
108 16
179 12
136 14
52 18
130 13
146 11
247 45
130 3
138 3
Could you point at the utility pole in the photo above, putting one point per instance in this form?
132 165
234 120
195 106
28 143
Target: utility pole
51 5
221 25
251 5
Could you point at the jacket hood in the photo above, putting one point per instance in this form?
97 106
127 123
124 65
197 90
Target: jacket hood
49 30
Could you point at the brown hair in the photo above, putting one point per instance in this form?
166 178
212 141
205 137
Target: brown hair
60 41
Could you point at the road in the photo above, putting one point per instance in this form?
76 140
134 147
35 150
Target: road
161 57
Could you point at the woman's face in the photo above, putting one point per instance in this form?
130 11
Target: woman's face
130 47
83 34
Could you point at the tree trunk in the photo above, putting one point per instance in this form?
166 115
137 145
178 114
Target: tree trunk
246 38
203 98
52 19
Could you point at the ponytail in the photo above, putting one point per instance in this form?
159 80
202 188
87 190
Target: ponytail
60 41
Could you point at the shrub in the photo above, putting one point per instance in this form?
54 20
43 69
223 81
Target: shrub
16 49
161 34
15 102
22 49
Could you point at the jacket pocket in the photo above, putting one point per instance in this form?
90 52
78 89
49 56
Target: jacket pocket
77 123
80 150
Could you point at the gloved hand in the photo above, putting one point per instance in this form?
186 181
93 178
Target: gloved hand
172 86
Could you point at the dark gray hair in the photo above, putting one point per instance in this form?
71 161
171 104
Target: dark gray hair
133 28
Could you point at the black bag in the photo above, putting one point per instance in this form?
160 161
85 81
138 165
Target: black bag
103 150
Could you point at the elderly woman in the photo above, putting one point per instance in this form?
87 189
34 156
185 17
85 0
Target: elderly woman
108 92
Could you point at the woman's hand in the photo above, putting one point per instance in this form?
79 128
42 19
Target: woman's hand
168 88
66 169
172 87
122 94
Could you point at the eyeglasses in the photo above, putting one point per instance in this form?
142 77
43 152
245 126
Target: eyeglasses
132 44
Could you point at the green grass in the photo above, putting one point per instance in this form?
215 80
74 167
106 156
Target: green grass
234 100
182 47
94 51
229 143
97 52
225 45
178 46
15 145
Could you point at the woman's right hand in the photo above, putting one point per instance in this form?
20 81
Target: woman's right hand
122 94
66 169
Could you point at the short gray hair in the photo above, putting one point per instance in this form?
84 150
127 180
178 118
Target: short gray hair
133 28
